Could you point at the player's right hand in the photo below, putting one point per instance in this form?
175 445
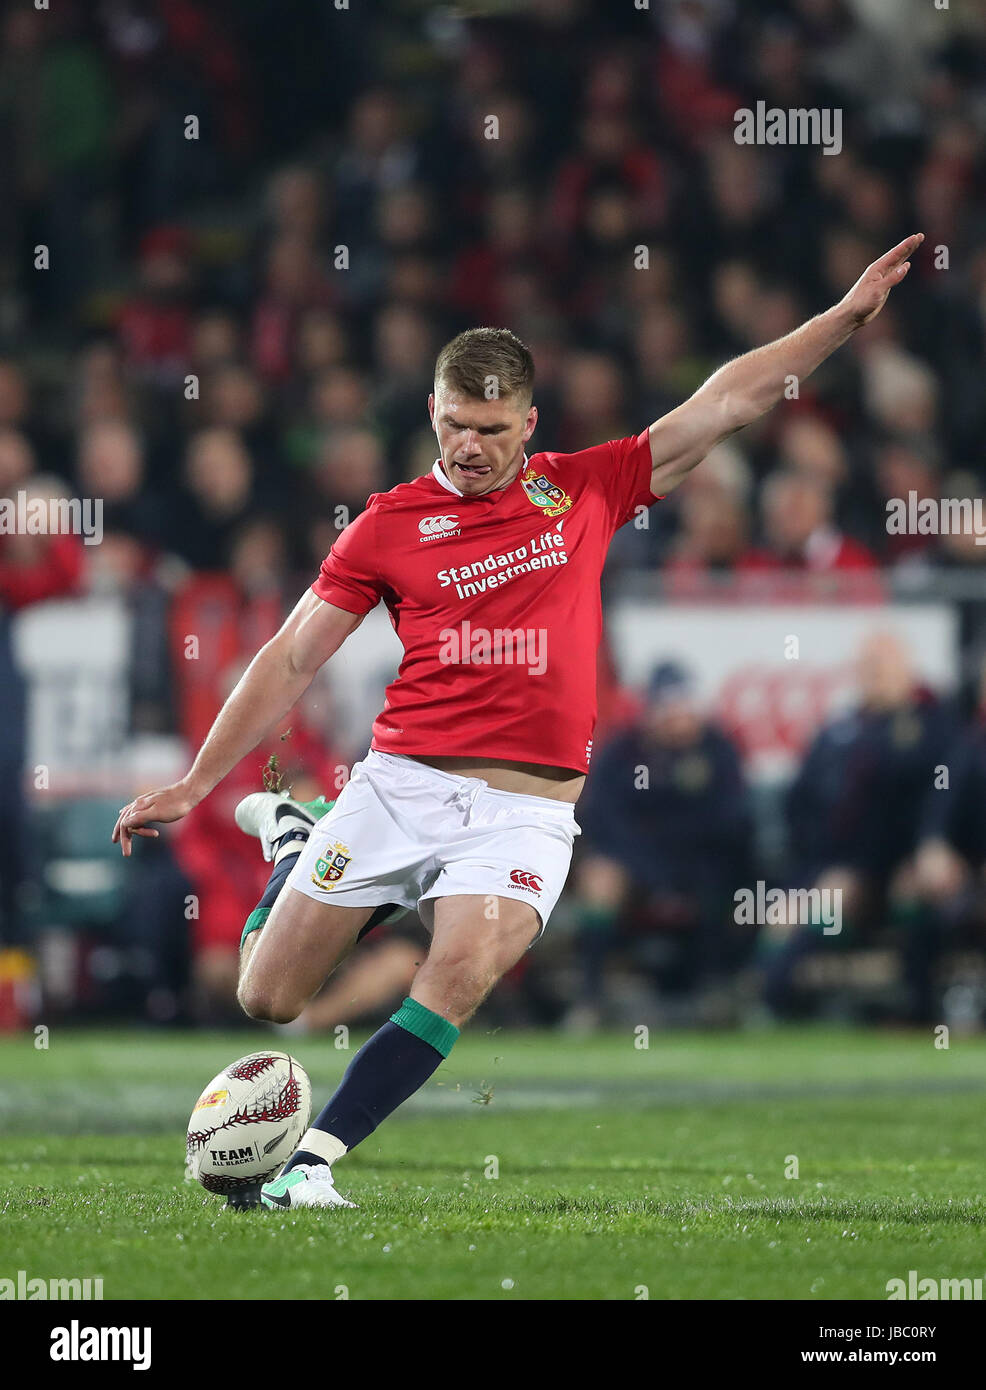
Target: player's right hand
869 294
167 804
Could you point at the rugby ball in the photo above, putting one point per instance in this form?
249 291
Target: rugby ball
247 1122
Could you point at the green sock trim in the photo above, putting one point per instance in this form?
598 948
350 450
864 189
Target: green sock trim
430 1028
254 922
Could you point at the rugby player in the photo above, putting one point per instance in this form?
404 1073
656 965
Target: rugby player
464 806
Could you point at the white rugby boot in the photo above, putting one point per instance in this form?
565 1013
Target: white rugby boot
270 815
307 1185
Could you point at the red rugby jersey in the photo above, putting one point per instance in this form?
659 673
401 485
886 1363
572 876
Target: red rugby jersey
496 602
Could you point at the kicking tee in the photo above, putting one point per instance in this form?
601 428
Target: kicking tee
495 600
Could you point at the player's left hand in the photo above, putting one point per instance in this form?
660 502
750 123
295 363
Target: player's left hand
869 294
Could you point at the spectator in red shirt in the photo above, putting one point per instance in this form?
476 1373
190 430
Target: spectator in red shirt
712 546
802 538
155 326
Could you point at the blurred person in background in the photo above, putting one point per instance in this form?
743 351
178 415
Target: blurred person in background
961 553
110 465
33 568
60 107
593 405
483 163
376 153
702 556
667 829
804 546
710 547
233 398
511 238
295 281
99 391
854 813
669 366
736 292
808 444
15 403
901 469
900 390
610 154
950 862
322 342
337 400
403 347
216 340
296 205
349 467
154 326
405 222
16 461
216 498
122 567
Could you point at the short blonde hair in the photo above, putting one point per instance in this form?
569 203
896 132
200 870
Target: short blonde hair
481 356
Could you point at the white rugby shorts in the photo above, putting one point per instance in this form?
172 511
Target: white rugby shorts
403 832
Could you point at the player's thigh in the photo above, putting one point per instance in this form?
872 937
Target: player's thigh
476 940
301 943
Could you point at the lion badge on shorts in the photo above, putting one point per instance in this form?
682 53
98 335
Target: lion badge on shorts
330 867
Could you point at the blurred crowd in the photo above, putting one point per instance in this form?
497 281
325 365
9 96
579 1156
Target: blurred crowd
232 240
884 826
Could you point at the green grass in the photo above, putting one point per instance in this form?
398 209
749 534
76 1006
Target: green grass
618 1168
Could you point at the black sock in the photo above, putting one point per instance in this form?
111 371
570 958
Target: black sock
275 883
390 1067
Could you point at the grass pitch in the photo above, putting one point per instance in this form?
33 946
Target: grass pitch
533 1166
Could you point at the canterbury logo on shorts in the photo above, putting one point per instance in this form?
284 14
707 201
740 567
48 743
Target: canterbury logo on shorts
523 878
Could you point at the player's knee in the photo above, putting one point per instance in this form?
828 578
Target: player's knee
265 1005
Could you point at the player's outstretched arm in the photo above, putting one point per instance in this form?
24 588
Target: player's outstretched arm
274 681
748 386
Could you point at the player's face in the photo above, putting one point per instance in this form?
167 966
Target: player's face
481 442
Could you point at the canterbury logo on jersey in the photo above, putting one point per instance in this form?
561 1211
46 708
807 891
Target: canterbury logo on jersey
523 878
436 527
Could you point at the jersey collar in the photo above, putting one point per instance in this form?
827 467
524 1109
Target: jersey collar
440 476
